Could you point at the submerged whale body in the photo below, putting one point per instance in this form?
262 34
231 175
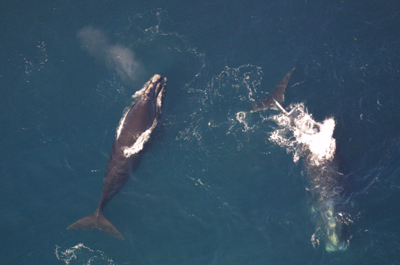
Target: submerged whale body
324 185
317 148
133 132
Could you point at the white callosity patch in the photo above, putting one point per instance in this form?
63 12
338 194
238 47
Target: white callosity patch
160 101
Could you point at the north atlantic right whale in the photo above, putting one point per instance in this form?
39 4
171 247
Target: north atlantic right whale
134 131
321 167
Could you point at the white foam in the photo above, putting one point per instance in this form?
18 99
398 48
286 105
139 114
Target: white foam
140 142
321 144
81 254
241 117
121 122
138 145
299 132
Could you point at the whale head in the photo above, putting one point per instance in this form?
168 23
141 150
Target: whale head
154 91
332 228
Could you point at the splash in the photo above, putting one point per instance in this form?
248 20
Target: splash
81 254
298 132
116 57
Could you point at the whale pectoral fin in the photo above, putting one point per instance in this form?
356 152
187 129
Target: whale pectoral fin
96 220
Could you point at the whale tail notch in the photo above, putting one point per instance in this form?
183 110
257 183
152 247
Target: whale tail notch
276 98
99 221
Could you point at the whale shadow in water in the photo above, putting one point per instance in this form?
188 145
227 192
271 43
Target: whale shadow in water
313 142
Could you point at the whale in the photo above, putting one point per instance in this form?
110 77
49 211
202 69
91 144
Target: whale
133 133
323 178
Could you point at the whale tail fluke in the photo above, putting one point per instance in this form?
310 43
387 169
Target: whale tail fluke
99 221
276 98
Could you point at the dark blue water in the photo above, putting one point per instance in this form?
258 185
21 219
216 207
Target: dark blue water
209 190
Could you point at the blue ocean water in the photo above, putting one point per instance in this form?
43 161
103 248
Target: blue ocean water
210 189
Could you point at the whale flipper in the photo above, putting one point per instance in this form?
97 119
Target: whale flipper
275 99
